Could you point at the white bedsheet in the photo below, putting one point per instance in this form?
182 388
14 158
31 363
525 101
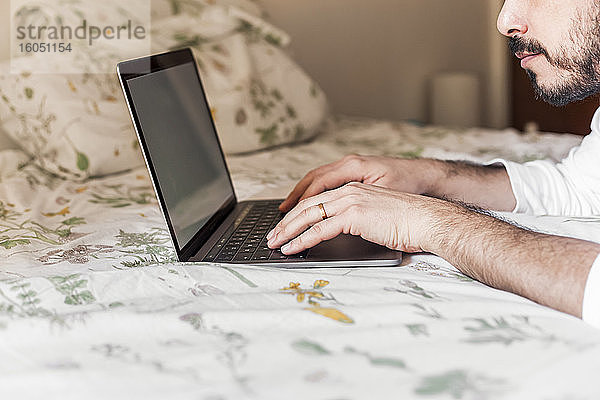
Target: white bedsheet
92 304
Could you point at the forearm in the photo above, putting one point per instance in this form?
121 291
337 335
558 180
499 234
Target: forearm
487 187
549 270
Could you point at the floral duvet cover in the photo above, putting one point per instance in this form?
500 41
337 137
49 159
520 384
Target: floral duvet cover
94 305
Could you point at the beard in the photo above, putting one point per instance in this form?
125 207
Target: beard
579 62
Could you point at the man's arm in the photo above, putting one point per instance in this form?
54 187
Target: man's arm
484 186
549 270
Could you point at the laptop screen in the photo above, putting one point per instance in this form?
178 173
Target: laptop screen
183 147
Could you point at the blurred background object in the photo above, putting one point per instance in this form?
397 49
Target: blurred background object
455 100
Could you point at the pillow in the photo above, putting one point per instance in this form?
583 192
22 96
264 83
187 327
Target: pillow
259 96
77 125
74 125
6 143
166 8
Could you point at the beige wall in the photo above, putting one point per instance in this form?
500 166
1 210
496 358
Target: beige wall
376 57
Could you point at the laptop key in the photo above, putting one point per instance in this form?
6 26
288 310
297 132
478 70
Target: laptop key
209 258
299 256
248 242
277 255
224 258
218 247
212 254
261 255
243 257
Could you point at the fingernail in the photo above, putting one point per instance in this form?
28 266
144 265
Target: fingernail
286 248
270 234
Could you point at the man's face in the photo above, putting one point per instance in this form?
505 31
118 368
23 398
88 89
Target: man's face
558 42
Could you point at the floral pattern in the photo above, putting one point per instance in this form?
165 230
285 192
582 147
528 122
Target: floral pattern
76 125
92 299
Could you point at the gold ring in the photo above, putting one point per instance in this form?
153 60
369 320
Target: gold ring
323 212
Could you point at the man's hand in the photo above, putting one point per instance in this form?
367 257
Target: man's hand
550 270
397 220
392 173
485 186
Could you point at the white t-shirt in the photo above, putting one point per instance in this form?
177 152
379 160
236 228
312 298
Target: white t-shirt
571 188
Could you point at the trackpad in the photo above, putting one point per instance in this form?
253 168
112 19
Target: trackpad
348 247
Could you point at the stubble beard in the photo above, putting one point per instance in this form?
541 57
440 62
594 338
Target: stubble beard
580 63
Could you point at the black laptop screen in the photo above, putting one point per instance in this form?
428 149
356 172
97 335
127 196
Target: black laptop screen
185 153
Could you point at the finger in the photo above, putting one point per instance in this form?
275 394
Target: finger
330 196
308 217
327 177
320 232
331 180
292 198
304 204
295 195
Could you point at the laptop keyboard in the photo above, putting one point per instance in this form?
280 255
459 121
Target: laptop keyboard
246 241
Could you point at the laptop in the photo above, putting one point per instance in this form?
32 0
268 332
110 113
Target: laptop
179 141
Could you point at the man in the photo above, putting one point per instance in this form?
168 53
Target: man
398 203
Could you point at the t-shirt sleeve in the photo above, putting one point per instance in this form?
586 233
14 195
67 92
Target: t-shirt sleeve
591 297
571 187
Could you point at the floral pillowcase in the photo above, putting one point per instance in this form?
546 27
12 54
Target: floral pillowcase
77 125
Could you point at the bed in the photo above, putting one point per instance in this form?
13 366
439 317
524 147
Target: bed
93 303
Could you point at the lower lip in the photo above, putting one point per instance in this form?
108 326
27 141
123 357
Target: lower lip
526 60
